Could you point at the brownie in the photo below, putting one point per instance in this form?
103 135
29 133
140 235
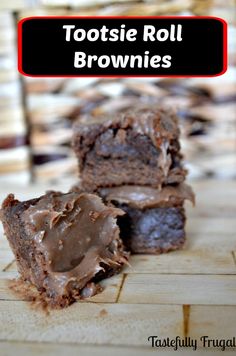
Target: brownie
135 147
155 220
63 243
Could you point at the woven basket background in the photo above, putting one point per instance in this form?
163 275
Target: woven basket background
36 115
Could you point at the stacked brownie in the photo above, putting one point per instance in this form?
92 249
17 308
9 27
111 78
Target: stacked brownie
133 160
65 243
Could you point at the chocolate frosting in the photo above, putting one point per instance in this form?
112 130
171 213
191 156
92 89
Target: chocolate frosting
77 235
141 197
159 124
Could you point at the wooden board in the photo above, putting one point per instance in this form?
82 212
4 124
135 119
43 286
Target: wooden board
184 293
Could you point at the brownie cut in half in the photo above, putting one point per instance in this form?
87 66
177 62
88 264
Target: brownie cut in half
63 243
135 147
155 219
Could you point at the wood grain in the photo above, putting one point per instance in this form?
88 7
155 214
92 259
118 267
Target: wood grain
90 323
52 349
179 289
150 298
6 257
190 261
13 4
211 226
214 321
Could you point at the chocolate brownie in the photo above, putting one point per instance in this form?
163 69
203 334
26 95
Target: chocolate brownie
63 243
154 220
138 147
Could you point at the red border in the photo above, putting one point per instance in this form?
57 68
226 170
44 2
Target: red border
19 40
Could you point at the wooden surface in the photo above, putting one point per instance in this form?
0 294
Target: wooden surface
187 293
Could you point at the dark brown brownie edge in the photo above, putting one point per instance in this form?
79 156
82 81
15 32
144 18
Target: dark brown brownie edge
131 153
21 245
153 230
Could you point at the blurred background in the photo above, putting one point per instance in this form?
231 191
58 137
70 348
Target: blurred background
36 115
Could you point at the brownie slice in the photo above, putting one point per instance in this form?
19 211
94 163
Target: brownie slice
63 243
154 220
138 147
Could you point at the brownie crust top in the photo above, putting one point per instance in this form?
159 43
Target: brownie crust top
160 124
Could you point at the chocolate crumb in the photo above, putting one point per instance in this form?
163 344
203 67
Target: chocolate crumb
103 312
